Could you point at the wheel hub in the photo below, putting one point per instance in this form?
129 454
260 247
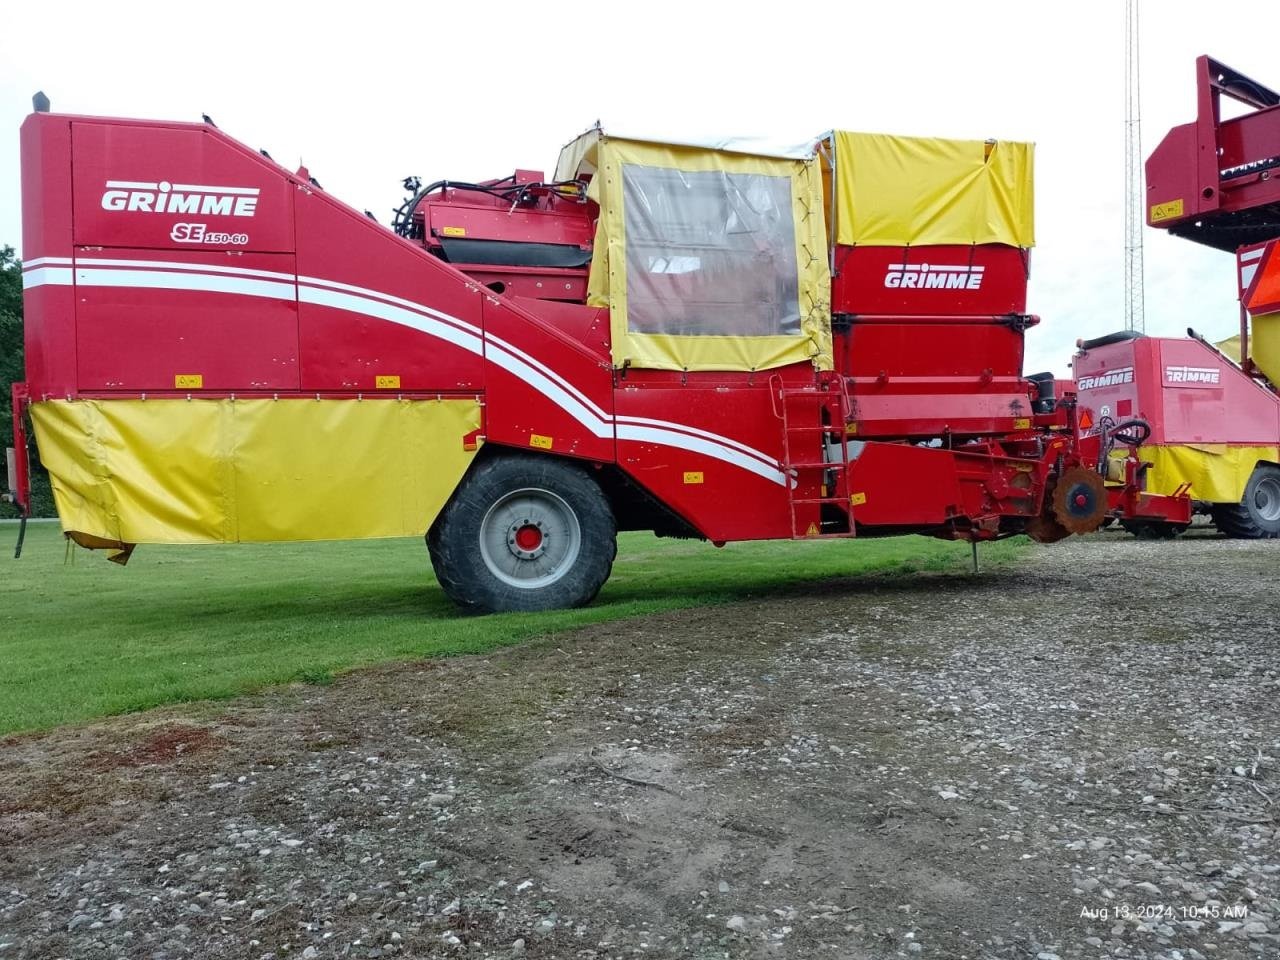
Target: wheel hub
530 538
1266 499
527 539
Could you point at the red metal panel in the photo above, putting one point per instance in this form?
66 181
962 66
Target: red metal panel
689 446
1107 382
540 283
146 317
929 377
49 308
986 279
900 484
373 305
488 222
1205 399
545 392
177 187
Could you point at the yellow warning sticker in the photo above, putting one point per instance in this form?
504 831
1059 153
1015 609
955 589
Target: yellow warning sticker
387 383
858 499
538 440
454 231
693 476
1166 211
188 381
812 531
1022 423
851 428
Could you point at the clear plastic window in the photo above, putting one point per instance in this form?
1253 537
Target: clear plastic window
709 253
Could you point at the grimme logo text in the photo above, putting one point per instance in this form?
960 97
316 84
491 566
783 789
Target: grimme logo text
1112 378
1192 375
166 197
925 276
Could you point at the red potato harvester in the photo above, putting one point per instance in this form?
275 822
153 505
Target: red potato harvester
720 342
1214 411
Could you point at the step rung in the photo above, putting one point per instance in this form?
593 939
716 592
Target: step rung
811 466
840 500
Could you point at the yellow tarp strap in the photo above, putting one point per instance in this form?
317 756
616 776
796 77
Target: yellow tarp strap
899 191
207 471
607 284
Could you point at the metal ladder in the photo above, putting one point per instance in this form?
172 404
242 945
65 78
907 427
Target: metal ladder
801 411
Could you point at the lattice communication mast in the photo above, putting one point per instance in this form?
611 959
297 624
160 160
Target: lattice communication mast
1134 208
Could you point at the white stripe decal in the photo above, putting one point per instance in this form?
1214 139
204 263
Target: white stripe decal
42 261
164 280
386 311
59 276
178 276
697 432
547 371
185 267
669 438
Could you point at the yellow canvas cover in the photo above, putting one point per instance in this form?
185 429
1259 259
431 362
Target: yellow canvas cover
1218 472
1264 344
708 259
898 191
1230 347
208 471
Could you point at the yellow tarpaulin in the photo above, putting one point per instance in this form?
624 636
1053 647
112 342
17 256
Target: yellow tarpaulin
1230 347
1217 472
1264 344
202 471
707 259
898 191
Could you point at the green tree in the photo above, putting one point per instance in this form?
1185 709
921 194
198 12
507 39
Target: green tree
11 367
10 337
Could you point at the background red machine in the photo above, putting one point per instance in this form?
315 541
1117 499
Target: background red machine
218 350
1213 410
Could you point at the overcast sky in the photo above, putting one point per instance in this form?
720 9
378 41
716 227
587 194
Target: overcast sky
367 93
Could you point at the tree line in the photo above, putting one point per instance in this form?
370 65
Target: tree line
11 370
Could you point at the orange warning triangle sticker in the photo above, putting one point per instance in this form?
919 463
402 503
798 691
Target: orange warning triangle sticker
812 531
1086 421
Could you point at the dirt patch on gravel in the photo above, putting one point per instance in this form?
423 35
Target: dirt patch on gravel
1073 757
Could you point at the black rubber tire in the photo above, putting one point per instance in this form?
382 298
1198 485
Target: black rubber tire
454 540
1153 529
1255 517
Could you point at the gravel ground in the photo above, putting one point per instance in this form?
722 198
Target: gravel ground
1077 756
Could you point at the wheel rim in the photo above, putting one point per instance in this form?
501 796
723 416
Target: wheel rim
1266 499
530 538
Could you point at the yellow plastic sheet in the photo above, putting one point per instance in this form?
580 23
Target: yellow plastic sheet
613 162
206 471
1230 347
1218 472
896 191
1264 344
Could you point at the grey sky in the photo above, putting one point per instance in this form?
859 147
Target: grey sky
368 93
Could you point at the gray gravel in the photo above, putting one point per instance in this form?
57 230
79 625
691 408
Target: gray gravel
1075 755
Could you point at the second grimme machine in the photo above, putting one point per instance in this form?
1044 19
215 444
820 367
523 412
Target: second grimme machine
1213 411
703 342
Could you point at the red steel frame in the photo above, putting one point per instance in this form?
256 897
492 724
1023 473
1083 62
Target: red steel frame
304 297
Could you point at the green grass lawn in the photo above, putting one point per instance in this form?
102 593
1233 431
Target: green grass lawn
84 638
